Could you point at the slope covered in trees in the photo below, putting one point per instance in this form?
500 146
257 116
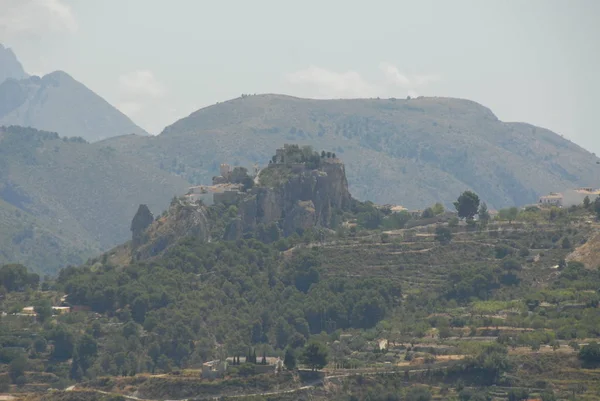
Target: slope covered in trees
495 305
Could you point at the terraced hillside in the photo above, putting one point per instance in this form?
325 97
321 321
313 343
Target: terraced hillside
494 313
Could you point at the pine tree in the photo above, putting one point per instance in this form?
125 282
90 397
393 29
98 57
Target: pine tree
264 359
254 357
289 360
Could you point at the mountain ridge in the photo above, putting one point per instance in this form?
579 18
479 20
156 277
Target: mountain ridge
57 102
69 199
429 146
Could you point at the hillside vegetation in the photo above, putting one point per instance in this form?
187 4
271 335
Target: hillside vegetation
385 305
409 152
63 199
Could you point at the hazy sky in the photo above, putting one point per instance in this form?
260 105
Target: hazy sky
536 61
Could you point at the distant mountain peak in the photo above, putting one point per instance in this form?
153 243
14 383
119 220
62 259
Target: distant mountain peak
58 102
10 67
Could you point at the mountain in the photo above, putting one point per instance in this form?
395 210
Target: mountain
59 103
411 152
10 67
63 199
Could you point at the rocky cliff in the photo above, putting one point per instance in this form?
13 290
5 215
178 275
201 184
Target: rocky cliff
181 220
300 198
307 198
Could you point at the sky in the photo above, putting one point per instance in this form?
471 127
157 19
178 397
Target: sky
535 61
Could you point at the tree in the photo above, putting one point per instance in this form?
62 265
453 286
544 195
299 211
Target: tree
587 202
484 214
597 206
4 384
590 353
40 344
443 235
15 277
63 343
438 208
509 214
467 205
87 349
314 355
289 360
548 395
43 310
418 393
17 367
427 213
518 395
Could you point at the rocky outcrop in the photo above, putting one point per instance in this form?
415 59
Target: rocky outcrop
181 220
141 221
307 199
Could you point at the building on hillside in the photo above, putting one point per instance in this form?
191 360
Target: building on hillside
576 196
552 199
392 208
57 310
280 154
569 197
219 193
274 364
225 174
214 369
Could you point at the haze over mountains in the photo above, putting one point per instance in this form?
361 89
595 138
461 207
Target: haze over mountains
64 199
10 67
57 102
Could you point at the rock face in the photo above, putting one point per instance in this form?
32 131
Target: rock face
182 220
141 221
307 199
